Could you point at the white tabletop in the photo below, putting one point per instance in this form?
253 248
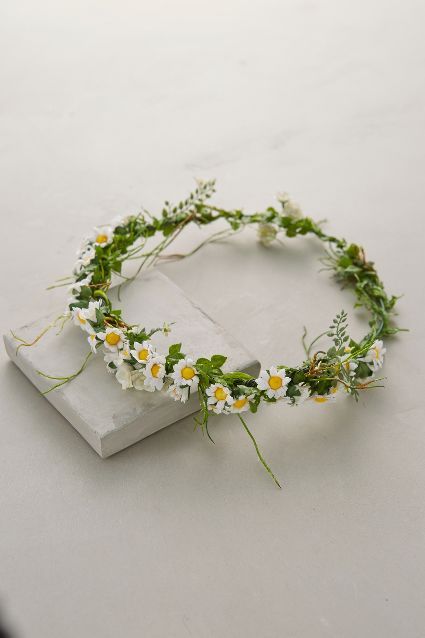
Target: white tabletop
107 106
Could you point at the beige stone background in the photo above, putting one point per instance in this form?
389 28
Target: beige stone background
106 106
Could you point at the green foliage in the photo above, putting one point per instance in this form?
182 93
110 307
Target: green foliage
338 332
320 372
174 356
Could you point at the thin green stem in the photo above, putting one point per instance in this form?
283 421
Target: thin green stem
64 380
260 456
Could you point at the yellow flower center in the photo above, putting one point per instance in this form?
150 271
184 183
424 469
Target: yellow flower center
220 394
376 352
275 382
155 369
239 403
81 318
321 399
112 338
143 354
188 373
101 239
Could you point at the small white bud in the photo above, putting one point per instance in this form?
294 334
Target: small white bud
266 234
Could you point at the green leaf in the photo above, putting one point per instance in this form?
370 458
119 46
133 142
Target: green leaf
175 348
203 361
363 371
217 360
237 376
117 266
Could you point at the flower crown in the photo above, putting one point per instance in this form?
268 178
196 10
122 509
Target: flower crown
130 355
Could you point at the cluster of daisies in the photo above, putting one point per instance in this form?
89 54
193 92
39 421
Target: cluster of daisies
132 357
101 236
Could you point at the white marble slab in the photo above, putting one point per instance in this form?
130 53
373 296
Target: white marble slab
109 418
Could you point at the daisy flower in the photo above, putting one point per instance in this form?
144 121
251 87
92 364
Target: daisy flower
239 404
76 286
266 234
375 356
155 372
179 393
87 255
290 207
92 339
184 373
81 316
78 267
84 260
113 339
326 398
123 376
274 382
125 352
111 357
218 397
350 367
142 352
102 236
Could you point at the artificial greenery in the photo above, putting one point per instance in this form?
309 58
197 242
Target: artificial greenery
346 363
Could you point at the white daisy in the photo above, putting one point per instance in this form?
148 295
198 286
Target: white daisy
350 366
300 398
87 255
78 267
120 356
113 339
266 234
184 373
274 382
290 207
239 404
111 357
375 356
218 397
179 393
82 316
142 352
76 286
102 236
155 372
326 398
84 258
92 339
123 376
125 353
85 243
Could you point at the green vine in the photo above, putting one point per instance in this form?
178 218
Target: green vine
345 364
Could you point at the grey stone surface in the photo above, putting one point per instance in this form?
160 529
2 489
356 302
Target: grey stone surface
109 418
